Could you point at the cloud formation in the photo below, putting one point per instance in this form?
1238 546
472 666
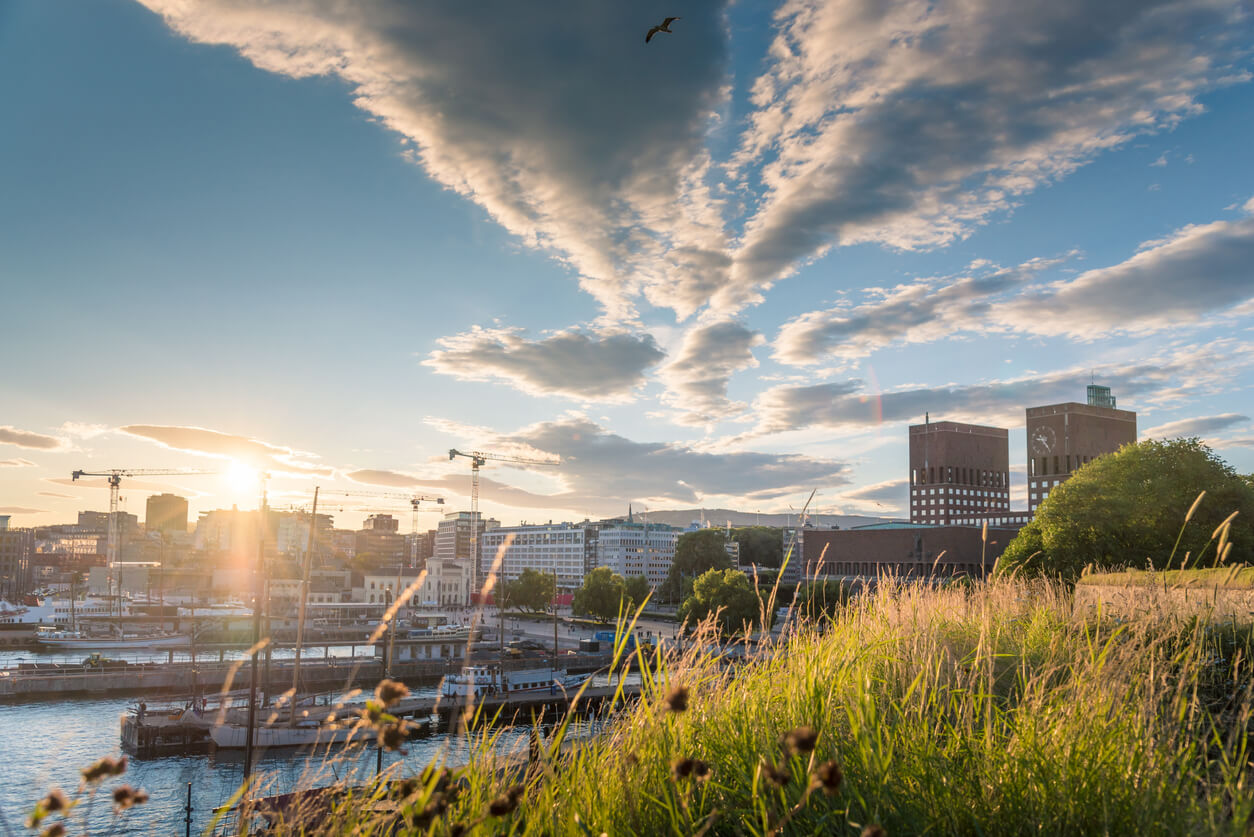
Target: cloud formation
572 364
251 452
910 123
20 510
697 379
16 463
29 439
1199 426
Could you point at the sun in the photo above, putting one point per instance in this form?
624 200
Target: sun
241 478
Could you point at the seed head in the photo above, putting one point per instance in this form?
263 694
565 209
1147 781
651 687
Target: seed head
677 700
390 691
801 740
874 830
107 766
123 797
506 802
393 736
54 801
827 777
55 830
458 830
775 775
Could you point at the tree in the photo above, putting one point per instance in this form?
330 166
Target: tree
819 598
532 590
1127 509
600 595
636 590
761 545
368 561
695 553
727 592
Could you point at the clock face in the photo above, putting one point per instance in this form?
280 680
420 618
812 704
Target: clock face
1043 440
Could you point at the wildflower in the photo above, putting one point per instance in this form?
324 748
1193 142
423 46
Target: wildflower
54 801
801 740
390 691
54 830
107 766
682 768
507 802
700 771
775 775
393 736
874 831
827 777
123 797
677 700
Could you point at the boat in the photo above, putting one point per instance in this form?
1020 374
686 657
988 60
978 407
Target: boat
301 734
80 641
482 681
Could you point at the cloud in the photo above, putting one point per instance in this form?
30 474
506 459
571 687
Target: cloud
57 494
909 124
848 405
917 312
572 364
16 463
572 134
601 472
29 439
1199 270
20 510
698 377
885 497
1200 426
251 452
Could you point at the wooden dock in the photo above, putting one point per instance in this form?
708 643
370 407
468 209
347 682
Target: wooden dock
161 734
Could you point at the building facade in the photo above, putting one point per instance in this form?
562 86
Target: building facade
1063 437
959 473
560 549
380 535
632 549
17 546
905 550
166 513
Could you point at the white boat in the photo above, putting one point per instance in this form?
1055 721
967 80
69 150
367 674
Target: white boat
79 641
484 681
303 734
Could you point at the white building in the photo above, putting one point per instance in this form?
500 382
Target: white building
566 550
293 533
632 549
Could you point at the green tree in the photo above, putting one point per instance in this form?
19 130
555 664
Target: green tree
532 590
819 598
600 595
1127 508
368 561
760 545
727 592
695 553
636 590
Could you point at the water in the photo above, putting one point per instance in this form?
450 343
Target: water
44 745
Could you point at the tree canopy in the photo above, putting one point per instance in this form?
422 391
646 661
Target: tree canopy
532 590
600 595
760 545
1127 509
727 592
695 553
636 590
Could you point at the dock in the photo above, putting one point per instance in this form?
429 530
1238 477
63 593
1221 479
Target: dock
162 734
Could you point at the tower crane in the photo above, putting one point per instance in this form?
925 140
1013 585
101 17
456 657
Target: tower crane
478 459
114 476
415 504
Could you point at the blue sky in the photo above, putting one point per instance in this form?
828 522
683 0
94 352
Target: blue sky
721 269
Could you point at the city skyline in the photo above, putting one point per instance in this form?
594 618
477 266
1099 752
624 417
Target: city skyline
720 270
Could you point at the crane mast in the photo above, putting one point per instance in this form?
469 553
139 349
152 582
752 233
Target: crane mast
477 460
114 476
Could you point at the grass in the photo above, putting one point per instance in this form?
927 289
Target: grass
996 709
1230 578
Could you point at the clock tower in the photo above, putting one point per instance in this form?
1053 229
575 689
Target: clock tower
1062 437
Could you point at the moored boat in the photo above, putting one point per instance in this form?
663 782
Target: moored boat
302 734
79 641
484 681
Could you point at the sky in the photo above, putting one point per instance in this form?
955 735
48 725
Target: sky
725 268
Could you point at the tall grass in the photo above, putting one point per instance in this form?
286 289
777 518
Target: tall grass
996 708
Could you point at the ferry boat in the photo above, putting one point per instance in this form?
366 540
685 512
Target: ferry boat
79 641
483 681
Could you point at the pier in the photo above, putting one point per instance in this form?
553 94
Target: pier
161 734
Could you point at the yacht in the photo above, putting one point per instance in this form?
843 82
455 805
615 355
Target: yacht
483 681
54 639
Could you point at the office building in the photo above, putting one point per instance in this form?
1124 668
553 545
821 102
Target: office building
456 536
561 549
959 473
166 513
16 548
1063 437
380 536
905 550
632 549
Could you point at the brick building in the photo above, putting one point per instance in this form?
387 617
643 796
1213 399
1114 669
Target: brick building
1062 437
906 550
959 473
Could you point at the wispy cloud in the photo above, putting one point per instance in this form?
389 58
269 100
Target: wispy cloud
20 510
16 463
698 377
251 452
572 364
1199 426
29 439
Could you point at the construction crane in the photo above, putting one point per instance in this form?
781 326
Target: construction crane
478 459
114 476
415 504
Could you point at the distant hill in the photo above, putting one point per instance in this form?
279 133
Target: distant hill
720 517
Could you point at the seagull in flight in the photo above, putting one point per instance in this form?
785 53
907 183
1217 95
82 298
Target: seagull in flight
664 27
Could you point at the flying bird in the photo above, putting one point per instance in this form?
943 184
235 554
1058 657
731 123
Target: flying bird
664 27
